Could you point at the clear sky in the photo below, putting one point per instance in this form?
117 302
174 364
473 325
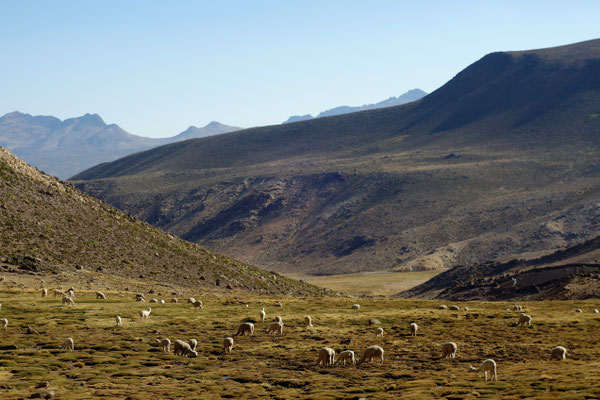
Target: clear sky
156 67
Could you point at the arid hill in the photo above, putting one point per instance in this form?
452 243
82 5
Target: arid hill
501 162
571 273
48 227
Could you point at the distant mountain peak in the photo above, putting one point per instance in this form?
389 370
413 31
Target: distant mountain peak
14 114
409 96
93 118
213 123
297 118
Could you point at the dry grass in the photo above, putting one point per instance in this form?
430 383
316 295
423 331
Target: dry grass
369 283
124 363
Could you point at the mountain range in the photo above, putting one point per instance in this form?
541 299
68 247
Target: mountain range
64 148
410 96
501 162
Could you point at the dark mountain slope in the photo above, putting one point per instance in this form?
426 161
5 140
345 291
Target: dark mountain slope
571 273
48 227
500 161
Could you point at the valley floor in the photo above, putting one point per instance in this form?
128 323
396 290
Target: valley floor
369 283
125 363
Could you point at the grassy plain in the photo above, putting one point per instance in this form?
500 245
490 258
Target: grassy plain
124 363
369 283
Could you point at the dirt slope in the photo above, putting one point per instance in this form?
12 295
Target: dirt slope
49 227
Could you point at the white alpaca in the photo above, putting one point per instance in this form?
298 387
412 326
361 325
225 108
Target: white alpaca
326 356
488 366
67 300
193 343
4 322
524 319
68 344
371 353
227 344
119 321
558 353
442 307
263 315
449 350
276 328
100 296
455 308
308 322
182 348
379 332
413 329
346 356
197 304
278 320
44 292
145 313
356 306
165 344
245 329
578 310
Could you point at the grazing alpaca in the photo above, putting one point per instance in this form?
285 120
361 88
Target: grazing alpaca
488 365
449 350
326 357
413 329
524 319
558 353
308 322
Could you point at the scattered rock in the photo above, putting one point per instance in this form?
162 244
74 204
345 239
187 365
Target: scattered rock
32 331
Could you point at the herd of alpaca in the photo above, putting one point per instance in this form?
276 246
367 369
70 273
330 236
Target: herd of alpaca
326 355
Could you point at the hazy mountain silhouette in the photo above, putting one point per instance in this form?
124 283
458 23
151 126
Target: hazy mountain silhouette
410 96
501 161
63 148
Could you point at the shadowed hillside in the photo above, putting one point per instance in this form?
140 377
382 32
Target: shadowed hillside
48 227
571 273
499 162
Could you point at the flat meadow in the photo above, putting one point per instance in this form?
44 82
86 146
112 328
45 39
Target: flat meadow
111 362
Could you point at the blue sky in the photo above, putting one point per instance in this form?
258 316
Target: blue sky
156 67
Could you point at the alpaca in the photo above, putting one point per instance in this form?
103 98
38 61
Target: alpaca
488 365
